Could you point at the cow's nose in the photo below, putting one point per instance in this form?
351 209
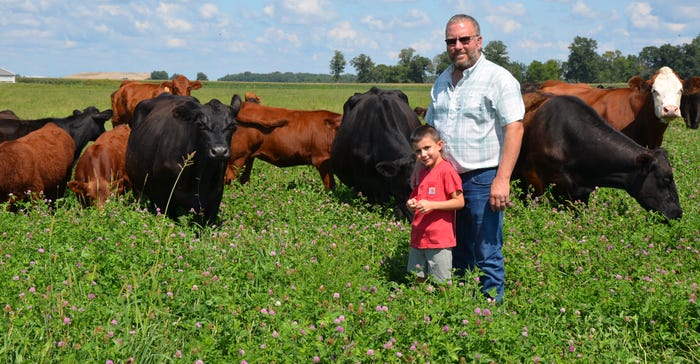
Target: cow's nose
672 111
220 152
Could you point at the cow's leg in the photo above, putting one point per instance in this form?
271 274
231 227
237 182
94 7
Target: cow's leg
245 176
232 170
324 169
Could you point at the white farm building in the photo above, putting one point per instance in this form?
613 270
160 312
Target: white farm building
6 76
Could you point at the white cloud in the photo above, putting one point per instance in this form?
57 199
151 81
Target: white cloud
208 11
306 7
416 18
141 26
279 37
342 32
581 9
641 17
175 43
513 9
178 25
504 24
373 23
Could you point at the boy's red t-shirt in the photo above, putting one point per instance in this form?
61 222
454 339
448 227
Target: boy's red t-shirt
436 229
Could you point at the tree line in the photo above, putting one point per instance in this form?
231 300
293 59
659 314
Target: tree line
584 64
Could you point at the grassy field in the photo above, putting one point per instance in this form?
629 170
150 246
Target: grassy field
295 274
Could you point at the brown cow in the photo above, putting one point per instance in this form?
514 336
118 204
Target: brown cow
130 93
39 161
642 111
100 171
420 111
252 97
282 137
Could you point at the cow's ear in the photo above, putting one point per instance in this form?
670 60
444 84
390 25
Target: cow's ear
236 103
644 161
187 111
196 85
638 83
79 188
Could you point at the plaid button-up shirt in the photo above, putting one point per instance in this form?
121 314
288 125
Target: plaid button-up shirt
470 117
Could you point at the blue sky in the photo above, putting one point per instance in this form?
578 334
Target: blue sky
56 38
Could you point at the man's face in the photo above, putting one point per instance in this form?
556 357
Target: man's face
463 44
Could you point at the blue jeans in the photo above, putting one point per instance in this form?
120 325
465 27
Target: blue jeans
480 233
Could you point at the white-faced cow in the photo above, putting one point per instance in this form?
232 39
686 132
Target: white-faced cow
566 144
641 111
177 155
371 151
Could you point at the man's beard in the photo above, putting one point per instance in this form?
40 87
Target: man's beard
472 57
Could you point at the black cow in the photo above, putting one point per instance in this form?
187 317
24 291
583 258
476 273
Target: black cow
11 129
567 144
690 110
371 151
8 114
177 155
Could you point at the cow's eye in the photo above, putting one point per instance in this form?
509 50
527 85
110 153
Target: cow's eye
203 126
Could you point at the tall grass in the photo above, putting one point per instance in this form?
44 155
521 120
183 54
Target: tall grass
295 274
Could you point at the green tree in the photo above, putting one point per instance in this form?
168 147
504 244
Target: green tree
418 69
201 76
159 75
517 69
495 51
337 65
388 74
365 68
406 56
583 62
441 62
538 71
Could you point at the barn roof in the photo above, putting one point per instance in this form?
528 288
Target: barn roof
4 72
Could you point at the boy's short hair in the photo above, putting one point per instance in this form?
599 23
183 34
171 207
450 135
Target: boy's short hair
422 131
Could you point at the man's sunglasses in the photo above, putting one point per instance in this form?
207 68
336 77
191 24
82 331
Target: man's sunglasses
464 40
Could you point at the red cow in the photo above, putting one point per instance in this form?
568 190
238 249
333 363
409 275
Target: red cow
130 93
284 138
642 110
100 170
39 161
420 111
252 97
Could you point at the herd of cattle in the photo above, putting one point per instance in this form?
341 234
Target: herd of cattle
179 153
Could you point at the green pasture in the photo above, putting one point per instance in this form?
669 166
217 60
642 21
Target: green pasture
59 98
295 274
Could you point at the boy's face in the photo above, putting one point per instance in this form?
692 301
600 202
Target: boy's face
428 151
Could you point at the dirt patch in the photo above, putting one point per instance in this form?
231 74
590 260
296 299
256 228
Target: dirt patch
111 76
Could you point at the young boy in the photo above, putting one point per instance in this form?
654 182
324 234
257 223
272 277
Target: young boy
434 202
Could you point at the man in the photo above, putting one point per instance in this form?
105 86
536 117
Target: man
477 108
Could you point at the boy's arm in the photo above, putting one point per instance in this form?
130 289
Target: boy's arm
455 202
